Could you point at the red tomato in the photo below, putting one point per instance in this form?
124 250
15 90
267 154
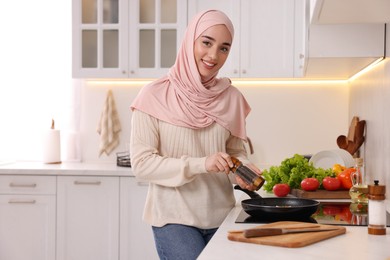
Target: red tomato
345 178
310 184
330 183
281 189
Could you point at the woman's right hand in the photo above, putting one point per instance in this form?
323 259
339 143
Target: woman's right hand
219 162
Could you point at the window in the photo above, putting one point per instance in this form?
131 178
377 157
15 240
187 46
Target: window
35 69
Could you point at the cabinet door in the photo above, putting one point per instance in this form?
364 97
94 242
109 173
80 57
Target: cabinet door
100 35
87 218
136 237
267 38
156 29
126 38
27 227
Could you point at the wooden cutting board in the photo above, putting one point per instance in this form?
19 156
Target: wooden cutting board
321 194
289 240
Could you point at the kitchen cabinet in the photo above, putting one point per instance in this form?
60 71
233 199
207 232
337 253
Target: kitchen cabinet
27 217
350 11
126 38
136 237
270 36
87 217
339 51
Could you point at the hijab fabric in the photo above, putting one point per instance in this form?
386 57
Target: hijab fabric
182 99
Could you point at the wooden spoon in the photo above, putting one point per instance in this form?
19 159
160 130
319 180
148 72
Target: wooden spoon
342 142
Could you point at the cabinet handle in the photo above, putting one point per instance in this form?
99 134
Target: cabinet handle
87 182
21 185
235 71
301 56
243 71
13 201
142 183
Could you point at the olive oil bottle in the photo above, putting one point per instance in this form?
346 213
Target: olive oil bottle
359 189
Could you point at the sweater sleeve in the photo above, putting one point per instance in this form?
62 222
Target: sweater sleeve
235 147
148 165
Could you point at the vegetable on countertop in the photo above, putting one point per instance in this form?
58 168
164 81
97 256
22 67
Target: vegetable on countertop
331 183
281 190
345 178
292 171
310 184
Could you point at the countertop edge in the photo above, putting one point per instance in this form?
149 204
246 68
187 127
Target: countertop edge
66 168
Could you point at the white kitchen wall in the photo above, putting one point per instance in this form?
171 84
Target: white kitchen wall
285 118
370 100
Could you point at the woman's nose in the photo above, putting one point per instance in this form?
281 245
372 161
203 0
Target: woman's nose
213 53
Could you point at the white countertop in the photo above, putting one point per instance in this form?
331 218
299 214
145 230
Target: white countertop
356 244
65 168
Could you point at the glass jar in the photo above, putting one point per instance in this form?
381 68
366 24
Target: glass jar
246 174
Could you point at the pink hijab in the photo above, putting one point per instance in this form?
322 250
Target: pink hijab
182 99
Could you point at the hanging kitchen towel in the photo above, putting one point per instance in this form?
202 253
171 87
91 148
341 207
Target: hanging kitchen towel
109 126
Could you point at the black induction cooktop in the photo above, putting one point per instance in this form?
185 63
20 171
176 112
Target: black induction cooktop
330 213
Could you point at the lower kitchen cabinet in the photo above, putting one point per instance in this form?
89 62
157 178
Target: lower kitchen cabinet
62 217
136 237
87 218
27 217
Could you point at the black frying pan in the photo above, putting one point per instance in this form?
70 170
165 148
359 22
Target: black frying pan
278 208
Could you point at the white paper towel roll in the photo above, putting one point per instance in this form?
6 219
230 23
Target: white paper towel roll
51 146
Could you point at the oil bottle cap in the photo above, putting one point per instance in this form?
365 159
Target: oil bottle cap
359 162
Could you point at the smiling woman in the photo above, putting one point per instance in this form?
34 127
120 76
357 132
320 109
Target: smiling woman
35 70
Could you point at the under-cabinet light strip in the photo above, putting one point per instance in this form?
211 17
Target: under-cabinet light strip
366 69
247 82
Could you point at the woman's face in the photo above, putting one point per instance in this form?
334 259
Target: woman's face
211 50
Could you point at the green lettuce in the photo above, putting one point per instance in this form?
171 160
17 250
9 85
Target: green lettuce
292 171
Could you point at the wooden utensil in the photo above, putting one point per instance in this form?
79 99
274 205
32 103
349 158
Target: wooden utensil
352 128
262 232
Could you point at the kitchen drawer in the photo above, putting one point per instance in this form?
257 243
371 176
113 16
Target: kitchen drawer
25 184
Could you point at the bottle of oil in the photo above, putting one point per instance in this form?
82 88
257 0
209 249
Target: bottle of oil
246 174
359 189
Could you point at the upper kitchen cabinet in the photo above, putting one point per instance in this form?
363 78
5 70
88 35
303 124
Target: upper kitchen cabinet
345 36
339 51
126 38
350 11
269 39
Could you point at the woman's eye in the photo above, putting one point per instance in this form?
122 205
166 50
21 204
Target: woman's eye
224 49
207 43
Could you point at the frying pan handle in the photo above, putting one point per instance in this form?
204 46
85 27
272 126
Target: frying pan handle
251 194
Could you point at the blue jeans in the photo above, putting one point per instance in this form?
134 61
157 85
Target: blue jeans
180 242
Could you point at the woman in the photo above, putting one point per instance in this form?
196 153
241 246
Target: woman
185 127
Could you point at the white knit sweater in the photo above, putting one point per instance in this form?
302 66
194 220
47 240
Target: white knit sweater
172 159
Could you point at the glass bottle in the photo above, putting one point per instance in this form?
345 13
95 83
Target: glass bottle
246 174
359 190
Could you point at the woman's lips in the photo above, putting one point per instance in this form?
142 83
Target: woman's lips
209 65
